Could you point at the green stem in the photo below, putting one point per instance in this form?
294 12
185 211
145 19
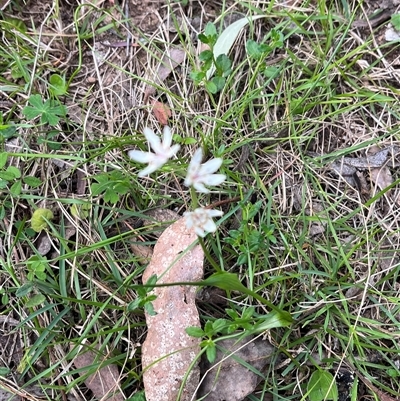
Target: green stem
212 262
195 201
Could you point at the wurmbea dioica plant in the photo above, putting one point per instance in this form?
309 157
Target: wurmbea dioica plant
198 175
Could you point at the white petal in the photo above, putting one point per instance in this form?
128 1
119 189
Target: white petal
148 170
211 166
174 150
153 140
188 181
196 160
214 179
198 186
140 157
167 137
210 226
215 213
200 232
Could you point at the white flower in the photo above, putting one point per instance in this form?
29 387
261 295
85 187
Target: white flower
163 151
201 220
202 174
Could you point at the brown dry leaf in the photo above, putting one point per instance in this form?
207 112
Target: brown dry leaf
382 177
161 112
168 351
169 61
104 384
227 378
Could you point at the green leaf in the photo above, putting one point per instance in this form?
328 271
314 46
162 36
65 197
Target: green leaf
39 217
322 386
203 38
230 282
189 141
148 307
4 371
36 300
3 159
40 276
197 76
14 171
227 38
269 321
211 352
151 282
139 396
195 331
219 325
134 305
271 72
395 20
210 30
205 55
6 175
58 86
5 299
7 131
211 87
208 328
223 63
24 290
33 182
16 188
36 101
253 49
219 82
111 196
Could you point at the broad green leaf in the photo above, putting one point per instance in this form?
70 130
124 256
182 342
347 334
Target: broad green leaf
4 371
6 175
210 29
197 76
219 83
227 38
211 87
223 62
211 352
395 20
24 290
205 55
30 112
36 300
322 386
3 159
14 171
8 131
150 309
139 396
16 188
58 86
203 38
269 321
229 281
195 331
36 101
219 325
33 182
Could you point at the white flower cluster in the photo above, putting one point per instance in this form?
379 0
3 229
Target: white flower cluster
198 175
